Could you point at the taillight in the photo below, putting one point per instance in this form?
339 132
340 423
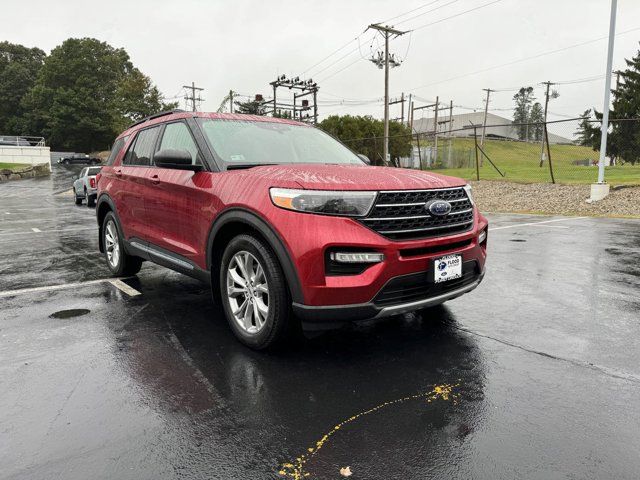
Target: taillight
92 182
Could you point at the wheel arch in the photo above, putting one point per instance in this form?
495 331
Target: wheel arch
237 221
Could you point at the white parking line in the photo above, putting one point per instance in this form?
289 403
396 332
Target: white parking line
531 224
48 288
50 231
120 285
132 292
36 230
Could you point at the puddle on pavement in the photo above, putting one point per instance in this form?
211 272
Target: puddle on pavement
63 314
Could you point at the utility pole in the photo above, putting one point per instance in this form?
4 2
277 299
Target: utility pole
402 106
387 32
544 130
410 113
486 111
193 98
601 190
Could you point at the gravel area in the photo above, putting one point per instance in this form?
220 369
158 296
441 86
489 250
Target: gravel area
554 199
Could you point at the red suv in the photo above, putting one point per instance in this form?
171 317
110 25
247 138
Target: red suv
286 224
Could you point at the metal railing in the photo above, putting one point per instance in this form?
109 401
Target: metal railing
21 141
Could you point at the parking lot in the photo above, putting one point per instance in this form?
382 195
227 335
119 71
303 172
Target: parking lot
536 374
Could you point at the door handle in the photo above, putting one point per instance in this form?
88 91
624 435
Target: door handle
118 172
155 180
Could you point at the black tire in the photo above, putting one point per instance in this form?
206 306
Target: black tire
78 199
279 321
125 265
91 201
65 162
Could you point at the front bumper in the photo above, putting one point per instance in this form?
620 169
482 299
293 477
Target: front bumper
324 316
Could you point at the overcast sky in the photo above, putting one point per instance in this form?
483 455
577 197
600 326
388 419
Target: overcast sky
242 45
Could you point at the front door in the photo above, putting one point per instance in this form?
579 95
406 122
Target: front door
177 208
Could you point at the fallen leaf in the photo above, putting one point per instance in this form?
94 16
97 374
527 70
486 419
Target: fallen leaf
346 471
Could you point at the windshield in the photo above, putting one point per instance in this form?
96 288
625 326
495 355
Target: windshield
94 171
249 142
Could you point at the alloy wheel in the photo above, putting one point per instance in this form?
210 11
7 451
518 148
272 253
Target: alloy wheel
112 244
248 292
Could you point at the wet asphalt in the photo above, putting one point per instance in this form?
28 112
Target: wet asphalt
536 374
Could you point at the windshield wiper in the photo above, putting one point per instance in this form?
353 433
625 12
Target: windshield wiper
242 166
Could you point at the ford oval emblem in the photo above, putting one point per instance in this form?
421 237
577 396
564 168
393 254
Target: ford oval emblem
438 208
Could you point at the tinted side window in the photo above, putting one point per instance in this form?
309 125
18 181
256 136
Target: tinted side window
177 136
141 149
115 150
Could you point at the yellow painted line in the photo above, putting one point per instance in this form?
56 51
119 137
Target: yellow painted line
296 469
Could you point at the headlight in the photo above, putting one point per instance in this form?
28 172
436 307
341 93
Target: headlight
327 202
467 188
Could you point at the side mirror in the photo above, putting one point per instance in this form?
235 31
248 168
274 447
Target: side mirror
175 159
75 177
364 158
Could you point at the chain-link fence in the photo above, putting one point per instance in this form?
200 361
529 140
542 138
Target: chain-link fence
517 152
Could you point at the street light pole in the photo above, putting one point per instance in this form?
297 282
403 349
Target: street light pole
607 93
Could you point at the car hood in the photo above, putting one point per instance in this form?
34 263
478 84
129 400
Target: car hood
351 177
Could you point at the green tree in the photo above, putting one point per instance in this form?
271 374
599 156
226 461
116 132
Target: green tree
521 113
365 135
86 93
587 134
251 107
19 67
536 116
623 141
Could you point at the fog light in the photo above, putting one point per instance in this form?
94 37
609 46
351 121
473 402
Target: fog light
364 257
483 236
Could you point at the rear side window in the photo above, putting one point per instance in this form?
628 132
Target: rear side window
177 136
115 150
141 150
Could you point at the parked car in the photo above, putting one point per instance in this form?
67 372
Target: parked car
84 186
288 226
79 158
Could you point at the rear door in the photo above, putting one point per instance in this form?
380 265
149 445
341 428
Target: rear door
176 206
134 184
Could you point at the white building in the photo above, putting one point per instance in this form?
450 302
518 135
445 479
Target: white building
463 125
27 150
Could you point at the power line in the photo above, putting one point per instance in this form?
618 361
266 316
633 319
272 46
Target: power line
532 57
428 11
410 11
456 15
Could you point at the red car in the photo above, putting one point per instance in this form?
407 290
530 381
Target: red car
288 225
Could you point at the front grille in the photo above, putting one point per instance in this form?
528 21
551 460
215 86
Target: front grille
420 286
402 215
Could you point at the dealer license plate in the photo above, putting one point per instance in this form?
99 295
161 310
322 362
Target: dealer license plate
447 268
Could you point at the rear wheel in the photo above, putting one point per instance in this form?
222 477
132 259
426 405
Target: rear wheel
254 293
91 200
119 262
75 196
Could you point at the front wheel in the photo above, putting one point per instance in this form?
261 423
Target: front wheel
254 293
119 262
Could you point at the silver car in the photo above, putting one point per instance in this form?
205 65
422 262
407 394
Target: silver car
85 186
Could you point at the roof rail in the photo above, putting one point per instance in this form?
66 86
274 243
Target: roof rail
155 115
